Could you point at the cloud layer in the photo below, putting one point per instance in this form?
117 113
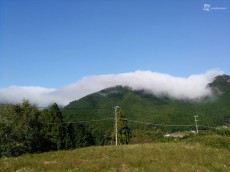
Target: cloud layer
192 87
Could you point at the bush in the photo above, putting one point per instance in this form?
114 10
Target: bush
145 136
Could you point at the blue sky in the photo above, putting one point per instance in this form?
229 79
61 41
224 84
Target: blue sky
52 43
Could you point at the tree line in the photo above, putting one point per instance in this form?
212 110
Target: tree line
26 129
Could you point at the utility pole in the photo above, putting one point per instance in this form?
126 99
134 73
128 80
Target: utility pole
196 123
115 113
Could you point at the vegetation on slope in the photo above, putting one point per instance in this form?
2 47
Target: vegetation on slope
145 157
221 84
143 107
25 129
89 121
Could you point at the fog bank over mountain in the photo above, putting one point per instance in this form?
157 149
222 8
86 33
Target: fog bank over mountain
192 87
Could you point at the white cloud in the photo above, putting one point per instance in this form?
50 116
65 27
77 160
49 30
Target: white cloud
192 87
37 95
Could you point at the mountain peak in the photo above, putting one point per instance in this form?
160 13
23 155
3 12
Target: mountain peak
221 84
114 90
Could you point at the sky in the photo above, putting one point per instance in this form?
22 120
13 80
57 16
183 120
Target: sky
51 44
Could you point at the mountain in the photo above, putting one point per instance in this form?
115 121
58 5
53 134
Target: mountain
221 84
141 106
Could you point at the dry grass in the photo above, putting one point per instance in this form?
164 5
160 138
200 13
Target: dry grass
145 157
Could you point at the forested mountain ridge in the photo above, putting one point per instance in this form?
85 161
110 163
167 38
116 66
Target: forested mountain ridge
141 106
221 84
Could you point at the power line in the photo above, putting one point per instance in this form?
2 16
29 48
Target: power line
178 125
106 119
142 122
207 126
98 108
50 123
148 123
134 121
40 107
166 125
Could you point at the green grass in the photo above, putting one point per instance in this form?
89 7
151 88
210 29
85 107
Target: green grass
211 140
145 157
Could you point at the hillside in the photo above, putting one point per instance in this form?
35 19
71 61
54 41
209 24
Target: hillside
141 106
145 157
221 84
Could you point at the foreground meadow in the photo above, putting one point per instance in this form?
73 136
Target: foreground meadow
145 157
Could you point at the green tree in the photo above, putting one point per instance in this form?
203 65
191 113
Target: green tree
83 137
20 130
123 131
23 128
69 139
64 136
54 129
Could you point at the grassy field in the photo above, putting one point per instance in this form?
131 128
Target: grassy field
144 157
